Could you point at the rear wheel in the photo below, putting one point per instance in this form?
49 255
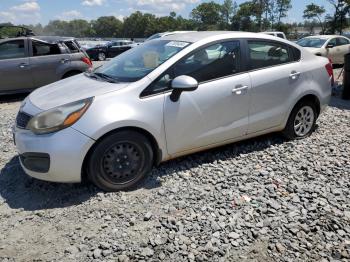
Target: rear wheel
302 121
101 56
120 161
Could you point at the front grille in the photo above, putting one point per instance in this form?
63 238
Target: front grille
22 120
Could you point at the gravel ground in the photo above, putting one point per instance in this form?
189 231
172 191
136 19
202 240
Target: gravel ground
264 199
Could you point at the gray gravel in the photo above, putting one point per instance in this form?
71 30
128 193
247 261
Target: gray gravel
265 199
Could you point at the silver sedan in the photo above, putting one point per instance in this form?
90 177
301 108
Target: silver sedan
167 98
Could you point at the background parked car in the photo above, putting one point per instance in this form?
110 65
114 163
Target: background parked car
27 63
276 34
332 46
164 34
109 50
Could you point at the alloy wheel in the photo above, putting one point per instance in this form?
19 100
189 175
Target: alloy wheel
304 121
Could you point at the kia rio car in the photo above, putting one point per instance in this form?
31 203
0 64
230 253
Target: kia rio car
334 47
167 98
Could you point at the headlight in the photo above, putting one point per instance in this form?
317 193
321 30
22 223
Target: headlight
59 118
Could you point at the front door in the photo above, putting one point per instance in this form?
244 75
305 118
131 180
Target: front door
218 110
15 72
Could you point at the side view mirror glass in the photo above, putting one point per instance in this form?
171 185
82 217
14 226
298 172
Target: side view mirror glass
330 46
182 84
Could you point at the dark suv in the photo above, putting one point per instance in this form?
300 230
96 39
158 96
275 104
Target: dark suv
29 62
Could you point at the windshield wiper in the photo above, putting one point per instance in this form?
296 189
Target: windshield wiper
106 77
101 76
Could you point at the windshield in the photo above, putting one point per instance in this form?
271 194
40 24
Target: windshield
312 42
138 62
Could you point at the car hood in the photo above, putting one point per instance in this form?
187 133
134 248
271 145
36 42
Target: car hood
70 90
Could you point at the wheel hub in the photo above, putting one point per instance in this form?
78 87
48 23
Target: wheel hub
304 121
121 163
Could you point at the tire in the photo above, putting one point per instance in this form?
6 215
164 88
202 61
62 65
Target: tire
101 56
302 121
119 161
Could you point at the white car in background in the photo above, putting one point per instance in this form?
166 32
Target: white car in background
334 47
164 34
276 34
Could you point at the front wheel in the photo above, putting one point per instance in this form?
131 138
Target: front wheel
119 161
302 121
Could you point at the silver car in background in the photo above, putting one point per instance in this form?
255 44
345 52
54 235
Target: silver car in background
27 63
167 98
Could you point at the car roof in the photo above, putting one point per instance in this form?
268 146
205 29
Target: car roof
52 39
324 36
272 32
193 37
47 39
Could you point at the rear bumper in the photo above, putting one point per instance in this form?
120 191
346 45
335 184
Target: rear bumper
56 157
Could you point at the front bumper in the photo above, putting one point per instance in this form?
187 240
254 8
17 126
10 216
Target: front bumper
65 150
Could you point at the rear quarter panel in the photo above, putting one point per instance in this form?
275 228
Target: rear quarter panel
317 82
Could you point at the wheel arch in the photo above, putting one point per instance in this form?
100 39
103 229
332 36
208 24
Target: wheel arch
312 98
155 146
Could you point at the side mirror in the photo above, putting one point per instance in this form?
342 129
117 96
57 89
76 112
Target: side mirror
182 84
329 46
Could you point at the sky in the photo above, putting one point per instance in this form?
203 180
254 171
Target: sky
42 11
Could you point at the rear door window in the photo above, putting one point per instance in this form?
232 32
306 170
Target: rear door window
266 54
12 49
45 49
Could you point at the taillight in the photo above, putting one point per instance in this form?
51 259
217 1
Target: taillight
329 68
87 61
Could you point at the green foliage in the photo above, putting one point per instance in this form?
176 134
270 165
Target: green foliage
313 11
207 15
106 26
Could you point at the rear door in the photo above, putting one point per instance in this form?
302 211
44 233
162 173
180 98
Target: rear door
48 62
275 73
15 71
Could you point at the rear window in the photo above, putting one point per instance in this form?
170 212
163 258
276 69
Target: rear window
45 49
73 48
265 54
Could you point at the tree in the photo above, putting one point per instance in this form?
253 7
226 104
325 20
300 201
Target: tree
313 11
337 22
283 6
107 26
207 15
227 9
140 25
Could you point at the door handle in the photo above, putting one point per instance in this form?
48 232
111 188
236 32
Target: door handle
294 75
65 60
239 90
23 65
